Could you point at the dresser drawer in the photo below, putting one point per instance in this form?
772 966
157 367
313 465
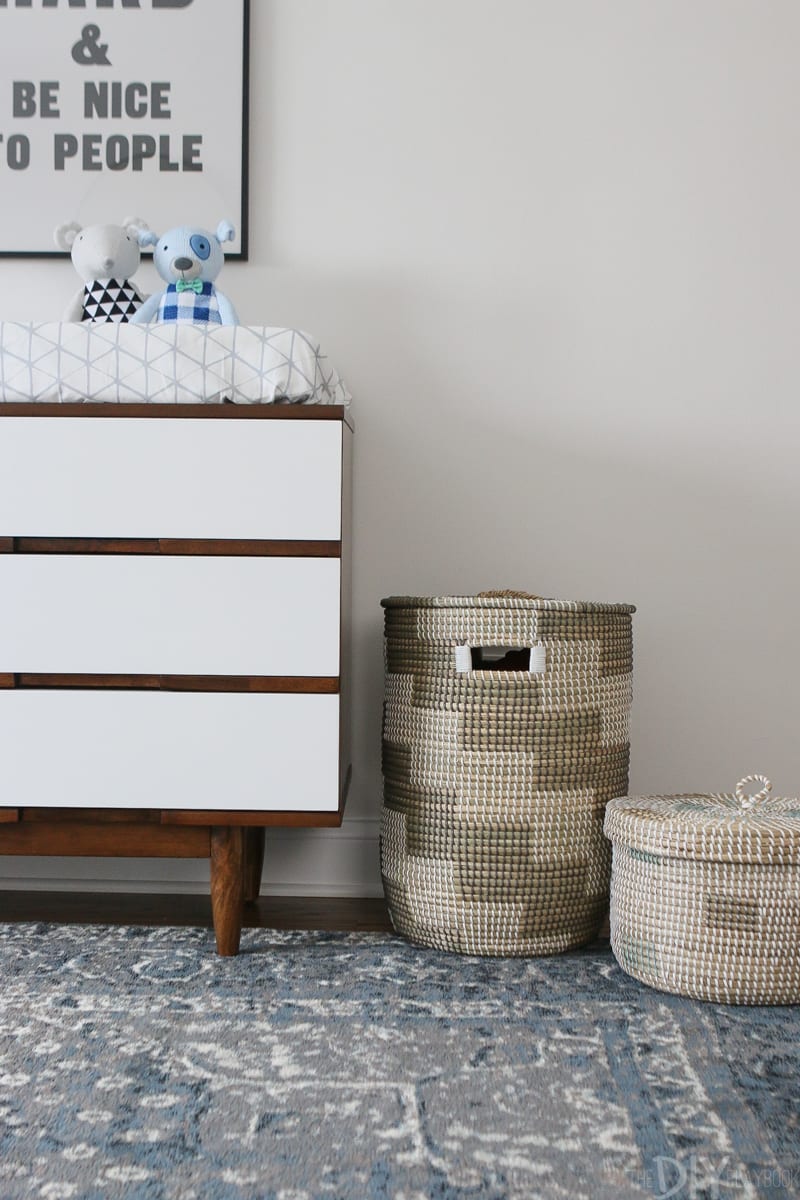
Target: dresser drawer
183 477
167 750
169 615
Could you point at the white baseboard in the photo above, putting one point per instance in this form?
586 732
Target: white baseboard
297 862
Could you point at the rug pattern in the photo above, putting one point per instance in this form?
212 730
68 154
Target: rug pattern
319 1066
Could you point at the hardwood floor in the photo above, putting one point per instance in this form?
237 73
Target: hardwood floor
268 912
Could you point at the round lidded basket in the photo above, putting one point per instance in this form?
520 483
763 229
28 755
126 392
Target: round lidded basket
505 734
705 893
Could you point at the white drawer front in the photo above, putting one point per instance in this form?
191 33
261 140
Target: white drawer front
181 615
158 477
86 749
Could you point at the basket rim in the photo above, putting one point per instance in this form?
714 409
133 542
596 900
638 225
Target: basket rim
499 602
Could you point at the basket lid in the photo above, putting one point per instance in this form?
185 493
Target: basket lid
741 827
504 599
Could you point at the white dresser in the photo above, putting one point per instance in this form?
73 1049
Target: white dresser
173 631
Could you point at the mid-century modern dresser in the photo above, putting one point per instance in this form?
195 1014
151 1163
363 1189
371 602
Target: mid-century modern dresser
173 631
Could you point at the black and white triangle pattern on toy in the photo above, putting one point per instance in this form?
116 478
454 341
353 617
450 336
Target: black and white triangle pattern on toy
109 300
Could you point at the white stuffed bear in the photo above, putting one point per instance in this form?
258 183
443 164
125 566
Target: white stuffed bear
105 257
189 259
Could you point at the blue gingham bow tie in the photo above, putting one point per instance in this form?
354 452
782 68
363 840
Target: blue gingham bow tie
190 285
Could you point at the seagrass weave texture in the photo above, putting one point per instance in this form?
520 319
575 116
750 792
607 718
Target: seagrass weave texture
497 773
705 894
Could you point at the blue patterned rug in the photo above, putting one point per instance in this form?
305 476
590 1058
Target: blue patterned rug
318 1066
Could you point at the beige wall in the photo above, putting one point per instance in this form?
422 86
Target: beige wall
552 246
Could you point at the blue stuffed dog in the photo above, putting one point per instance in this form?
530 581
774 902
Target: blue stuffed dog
189 259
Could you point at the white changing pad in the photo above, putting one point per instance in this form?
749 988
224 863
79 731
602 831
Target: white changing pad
164 364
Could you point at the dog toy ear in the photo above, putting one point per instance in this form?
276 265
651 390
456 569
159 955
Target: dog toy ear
65 235
225 232
133 226
146 237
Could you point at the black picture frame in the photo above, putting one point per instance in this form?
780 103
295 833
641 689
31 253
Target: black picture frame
228 81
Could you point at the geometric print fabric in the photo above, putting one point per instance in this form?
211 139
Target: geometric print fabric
166 363
109 300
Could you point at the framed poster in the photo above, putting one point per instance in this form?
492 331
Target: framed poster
122 108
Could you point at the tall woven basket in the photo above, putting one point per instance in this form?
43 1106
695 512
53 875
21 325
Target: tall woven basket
705 893
505 734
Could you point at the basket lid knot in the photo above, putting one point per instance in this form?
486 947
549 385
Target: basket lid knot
747 799
508 594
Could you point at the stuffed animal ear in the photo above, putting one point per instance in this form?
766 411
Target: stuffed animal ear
225 232
65 235
146 237
133 226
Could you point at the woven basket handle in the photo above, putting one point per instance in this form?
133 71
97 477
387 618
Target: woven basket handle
748 800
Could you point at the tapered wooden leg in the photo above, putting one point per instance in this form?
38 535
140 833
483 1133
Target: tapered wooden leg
253 862
227 886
